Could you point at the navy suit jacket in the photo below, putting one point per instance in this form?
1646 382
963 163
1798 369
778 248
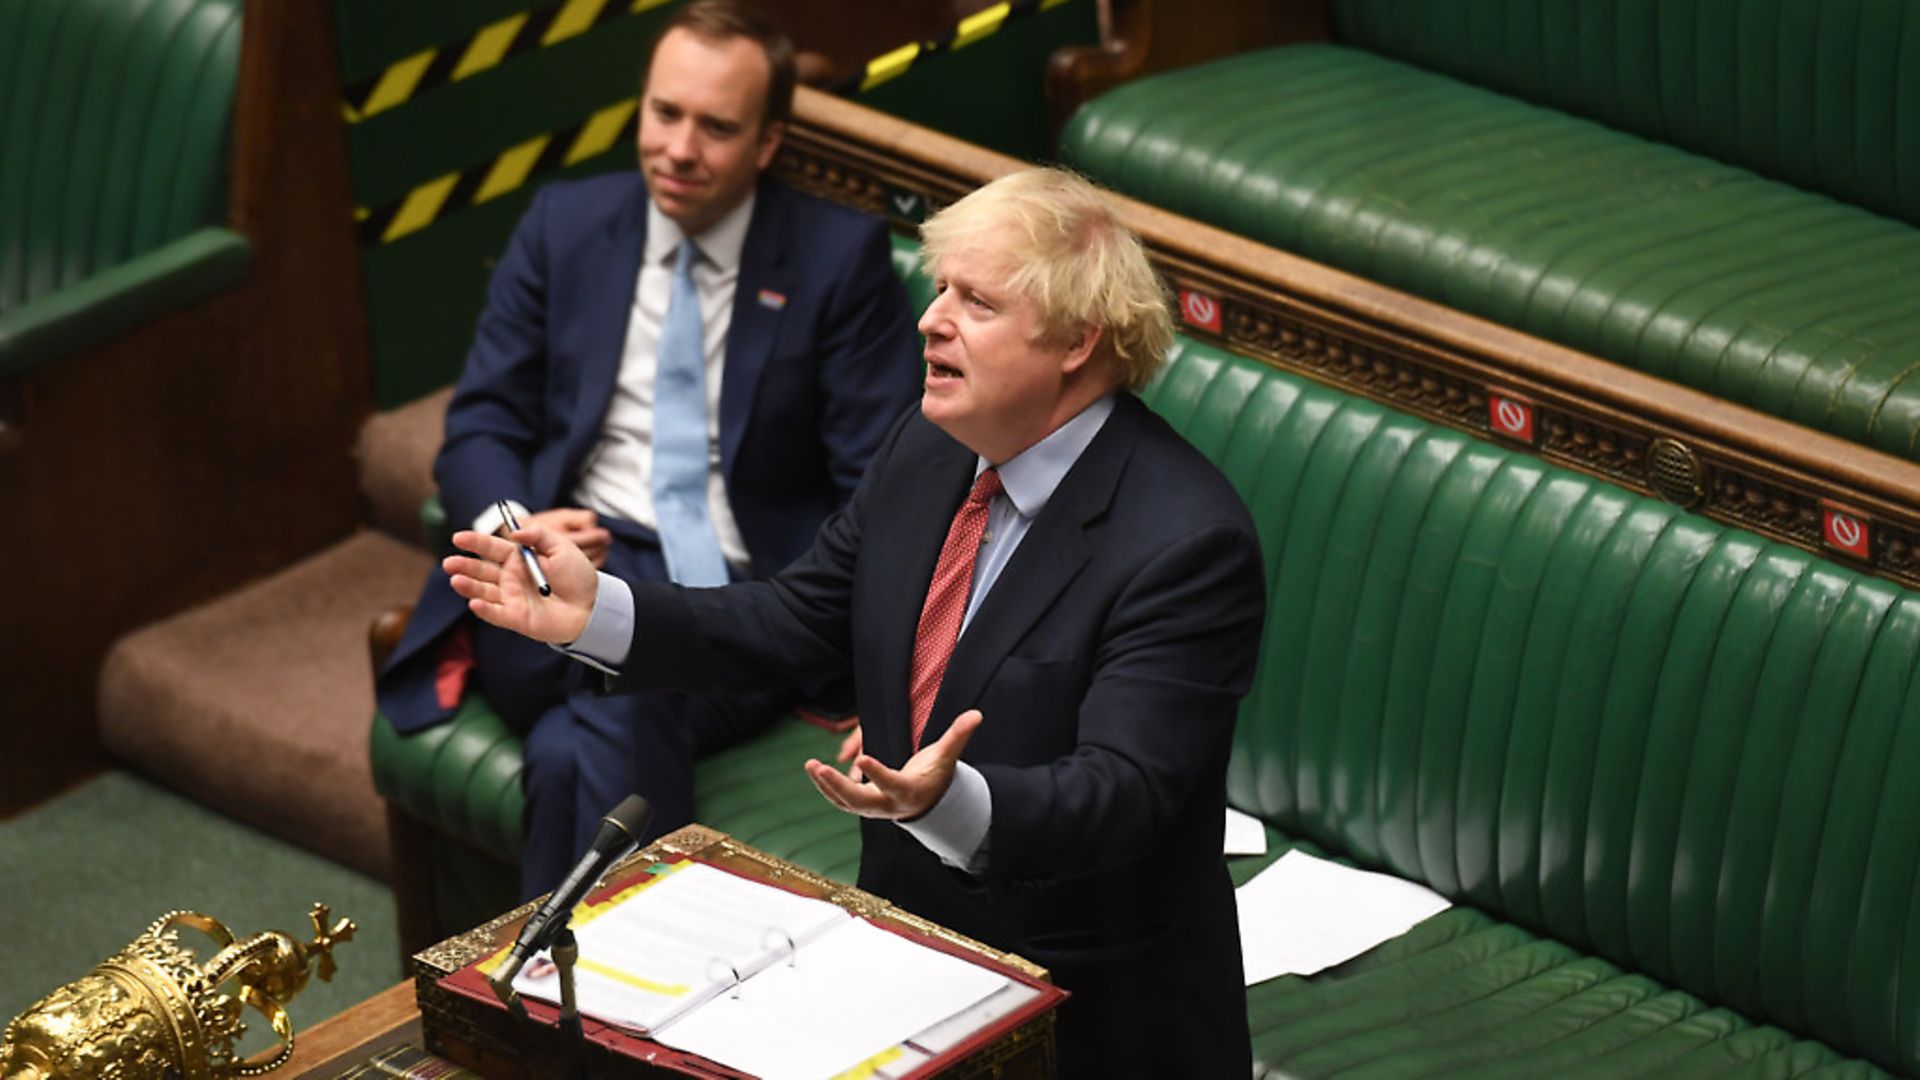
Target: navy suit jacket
821 359
1108 661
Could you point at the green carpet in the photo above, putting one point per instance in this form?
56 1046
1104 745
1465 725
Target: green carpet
86 872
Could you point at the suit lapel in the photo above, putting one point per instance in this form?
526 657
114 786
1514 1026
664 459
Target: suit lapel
759 299
607 304
1050 556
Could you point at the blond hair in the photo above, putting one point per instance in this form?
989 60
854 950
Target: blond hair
1072 256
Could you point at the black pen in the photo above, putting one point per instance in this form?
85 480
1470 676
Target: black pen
526 553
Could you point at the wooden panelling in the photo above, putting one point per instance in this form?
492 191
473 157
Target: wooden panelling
205 449
1140 37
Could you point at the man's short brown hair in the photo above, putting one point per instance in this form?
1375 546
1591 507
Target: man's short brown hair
723 20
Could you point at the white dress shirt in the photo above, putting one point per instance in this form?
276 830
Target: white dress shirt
617 477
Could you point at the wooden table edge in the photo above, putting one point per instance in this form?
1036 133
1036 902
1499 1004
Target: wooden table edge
341 1040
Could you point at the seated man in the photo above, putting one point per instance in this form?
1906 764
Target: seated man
1051 605
684 371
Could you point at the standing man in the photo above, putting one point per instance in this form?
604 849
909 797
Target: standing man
1051 605
684 372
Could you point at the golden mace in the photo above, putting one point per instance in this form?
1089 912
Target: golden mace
150 1011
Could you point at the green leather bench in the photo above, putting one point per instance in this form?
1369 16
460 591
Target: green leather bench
115 124
1723 194
1660 764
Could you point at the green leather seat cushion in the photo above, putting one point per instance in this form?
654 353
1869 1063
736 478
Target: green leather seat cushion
463 778
1460 991
1683 267
1466 994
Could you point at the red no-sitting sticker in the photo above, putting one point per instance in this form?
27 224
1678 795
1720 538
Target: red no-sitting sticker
1845 531
1199 309
1510 417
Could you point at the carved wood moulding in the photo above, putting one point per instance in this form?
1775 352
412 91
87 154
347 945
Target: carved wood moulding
1726 462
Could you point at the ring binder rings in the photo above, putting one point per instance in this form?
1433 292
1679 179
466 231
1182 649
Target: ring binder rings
778 935
728 974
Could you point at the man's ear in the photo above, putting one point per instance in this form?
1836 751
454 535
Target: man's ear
770 137
1081 350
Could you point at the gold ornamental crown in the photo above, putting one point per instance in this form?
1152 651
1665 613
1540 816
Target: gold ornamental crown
152 1009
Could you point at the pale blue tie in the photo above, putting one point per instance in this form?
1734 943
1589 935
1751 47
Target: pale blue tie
680 437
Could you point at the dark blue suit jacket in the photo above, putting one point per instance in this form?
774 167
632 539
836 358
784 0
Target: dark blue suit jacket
1108 662
821 359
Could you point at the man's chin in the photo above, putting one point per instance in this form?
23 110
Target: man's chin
941 410
676 205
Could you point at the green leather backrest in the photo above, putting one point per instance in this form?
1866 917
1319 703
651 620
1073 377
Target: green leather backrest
1822 94
114 128
1672 743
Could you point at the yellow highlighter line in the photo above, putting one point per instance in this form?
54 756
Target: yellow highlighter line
628 978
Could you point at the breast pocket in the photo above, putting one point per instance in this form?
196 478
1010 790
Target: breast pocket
1031 709
1022 671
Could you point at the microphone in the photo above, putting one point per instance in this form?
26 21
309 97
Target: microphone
619 836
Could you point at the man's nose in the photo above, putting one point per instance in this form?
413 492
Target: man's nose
682 143
934 320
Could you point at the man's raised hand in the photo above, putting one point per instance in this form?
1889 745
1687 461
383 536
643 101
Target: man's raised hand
899 794
497 588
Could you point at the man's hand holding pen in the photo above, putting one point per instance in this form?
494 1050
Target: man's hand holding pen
499 584
579 525
509 524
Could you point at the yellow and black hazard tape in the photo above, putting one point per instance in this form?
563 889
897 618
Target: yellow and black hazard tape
506 172
973 28
428 69
512 168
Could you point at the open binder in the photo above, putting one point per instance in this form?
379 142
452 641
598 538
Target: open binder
703 971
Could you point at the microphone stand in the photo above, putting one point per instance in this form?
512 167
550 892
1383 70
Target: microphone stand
573 1039
547 926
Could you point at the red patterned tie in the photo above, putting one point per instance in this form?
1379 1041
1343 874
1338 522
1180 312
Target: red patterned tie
946 605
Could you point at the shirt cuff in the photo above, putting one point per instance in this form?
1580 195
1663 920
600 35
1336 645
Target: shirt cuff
608 638
956 828
489 520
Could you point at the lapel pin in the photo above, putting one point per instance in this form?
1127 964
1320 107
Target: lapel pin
771 299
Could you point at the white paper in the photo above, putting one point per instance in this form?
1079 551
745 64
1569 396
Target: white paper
962 1025
854 993
1246 834
1304 914
678 941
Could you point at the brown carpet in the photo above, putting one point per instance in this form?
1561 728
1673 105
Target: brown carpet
258 704
396 462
